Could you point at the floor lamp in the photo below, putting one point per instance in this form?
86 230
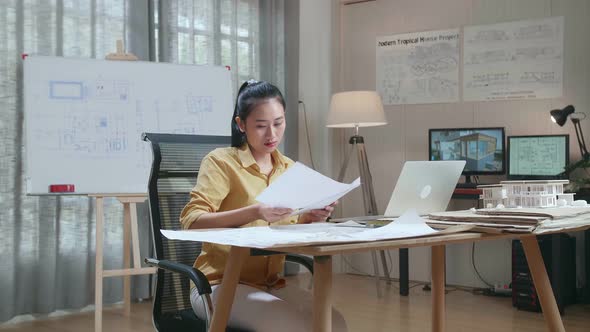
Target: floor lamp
355 109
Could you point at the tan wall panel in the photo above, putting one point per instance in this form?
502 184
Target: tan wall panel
405 137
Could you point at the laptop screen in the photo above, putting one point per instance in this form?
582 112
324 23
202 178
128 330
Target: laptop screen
425 186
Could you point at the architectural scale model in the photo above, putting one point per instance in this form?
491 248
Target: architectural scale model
532 193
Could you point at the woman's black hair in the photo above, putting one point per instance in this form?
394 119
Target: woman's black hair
251 93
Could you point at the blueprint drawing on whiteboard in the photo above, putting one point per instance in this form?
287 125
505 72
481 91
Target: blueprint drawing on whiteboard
65 90
513 60
87 117
417 68
99 123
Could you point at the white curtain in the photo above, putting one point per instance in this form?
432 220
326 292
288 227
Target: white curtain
47 242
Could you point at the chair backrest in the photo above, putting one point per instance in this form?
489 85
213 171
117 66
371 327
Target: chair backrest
176 163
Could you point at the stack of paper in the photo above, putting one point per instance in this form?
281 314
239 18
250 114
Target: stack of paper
302 189
476 216
535 220
553 213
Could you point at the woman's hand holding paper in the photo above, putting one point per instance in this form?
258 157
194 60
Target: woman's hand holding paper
272 214
317 215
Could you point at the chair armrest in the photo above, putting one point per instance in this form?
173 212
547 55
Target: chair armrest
196 276
263 252
300 259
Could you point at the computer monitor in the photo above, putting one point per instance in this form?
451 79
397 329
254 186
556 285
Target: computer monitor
481 148
538 157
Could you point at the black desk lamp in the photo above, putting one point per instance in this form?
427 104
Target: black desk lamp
560 117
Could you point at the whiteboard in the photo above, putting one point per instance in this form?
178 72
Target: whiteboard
84 118
418 67
513 60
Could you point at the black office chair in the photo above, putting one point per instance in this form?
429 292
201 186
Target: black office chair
175 166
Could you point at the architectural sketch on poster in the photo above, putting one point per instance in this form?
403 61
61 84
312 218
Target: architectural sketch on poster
418 68
514 60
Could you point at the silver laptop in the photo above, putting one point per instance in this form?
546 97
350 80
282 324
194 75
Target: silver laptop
425 186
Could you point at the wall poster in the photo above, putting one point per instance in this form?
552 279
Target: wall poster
418 68
514 60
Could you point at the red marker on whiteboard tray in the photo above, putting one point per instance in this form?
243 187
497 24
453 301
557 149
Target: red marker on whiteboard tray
61 188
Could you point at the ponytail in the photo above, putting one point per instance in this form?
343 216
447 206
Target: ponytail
238 138
250 94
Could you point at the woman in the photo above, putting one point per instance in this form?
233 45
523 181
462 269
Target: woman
229 181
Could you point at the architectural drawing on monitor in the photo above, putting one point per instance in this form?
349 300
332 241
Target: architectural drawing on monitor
477 149
526 194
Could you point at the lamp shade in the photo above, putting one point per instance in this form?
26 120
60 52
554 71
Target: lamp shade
356 108
560 116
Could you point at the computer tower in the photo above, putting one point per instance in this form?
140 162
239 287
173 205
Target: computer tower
562 274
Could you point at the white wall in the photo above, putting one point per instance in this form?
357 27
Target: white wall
352 57
315 81
317 59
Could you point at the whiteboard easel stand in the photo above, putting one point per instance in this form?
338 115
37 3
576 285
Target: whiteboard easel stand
121 55
130 234
130 237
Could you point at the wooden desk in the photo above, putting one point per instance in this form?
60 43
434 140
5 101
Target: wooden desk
322 277
130 234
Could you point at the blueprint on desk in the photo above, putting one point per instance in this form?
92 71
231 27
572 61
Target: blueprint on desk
408 225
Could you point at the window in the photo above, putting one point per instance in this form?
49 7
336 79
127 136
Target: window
213 32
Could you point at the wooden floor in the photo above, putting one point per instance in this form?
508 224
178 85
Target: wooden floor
356 298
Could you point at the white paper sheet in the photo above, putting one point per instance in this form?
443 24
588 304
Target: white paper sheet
410 224
302 189
350 223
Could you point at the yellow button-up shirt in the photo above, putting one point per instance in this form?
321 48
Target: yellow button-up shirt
228 179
